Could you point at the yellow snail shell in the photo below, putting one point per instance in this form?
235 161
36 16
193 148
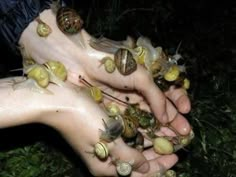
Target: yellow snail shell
96 94
125 62
139 54
109 64
57 68
170 173
113 109
124 168
43 29
40 75
186 84
162 146
101 150
172 74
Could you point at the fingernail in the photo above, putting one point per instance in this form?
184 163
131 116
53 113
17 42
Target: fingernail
143 168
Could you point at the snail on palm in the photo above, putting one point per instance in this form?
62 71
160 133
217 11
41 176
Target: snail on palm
109 64
101 150
123 168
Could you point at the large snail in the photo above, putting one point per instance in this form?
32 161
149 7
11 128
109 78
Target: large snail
125 62
101 150
68 20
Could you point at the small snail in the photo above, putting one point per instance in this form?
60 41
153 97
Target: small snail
172 74
123 168
96 93
43 29
170 173
57 72
109 64
162 146
186 84
68 20
113 110
139 54
113 129
125 62
101 150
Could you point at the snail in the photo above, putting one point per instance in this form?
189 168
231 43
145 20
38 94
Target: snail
123 168
96 93
172 74
101 150
125 62
109 64
170 173
130 126
43 29
57 72
112 110
68 20
162 146
37 79
113 129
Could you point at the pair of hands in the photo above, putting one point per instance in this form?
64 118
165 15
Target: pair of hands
78 118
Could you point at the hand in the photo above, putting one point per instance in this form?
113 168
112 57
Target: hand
84 61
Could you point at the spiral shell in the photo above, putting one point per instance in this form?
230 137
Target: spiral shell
96 94
43 29
101 150
125 62
162 146
57 68
172 74
109 64
68 20
40 75
124 168
139 54
112 109
130 127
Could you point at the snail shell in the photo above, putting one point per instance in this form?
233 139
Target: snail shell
162 146
57 68
125 62
39 74
186 84
139 54
172 74
170 173
130 127
43 29
96 94
124 168
101 150
113 110
109 64
68 20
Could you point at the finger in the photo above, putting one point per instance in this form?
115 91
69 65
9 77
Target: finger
158 165
178 121
119 150
179 98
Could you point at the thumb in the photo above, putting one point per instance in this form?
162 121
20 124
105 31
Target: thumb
122 152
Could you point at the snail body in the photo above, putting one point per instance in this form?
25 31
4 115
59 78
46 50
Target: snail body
130 125
125 62
68 20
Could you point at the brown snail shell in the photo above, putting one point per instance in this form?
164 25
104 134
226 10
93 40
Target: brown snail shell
130 127
68 20
125 62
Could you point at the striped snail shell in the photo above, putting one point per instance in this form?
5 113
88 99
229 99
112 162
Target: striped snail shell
101 150
130 127
124 61
124 168
68 20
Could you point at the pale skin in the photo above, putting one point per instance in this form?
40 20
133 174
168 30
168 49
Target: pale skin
72 112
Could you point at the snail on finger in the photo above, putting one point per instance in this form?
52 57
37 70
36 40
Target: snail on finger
124 61
123 168
101 150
